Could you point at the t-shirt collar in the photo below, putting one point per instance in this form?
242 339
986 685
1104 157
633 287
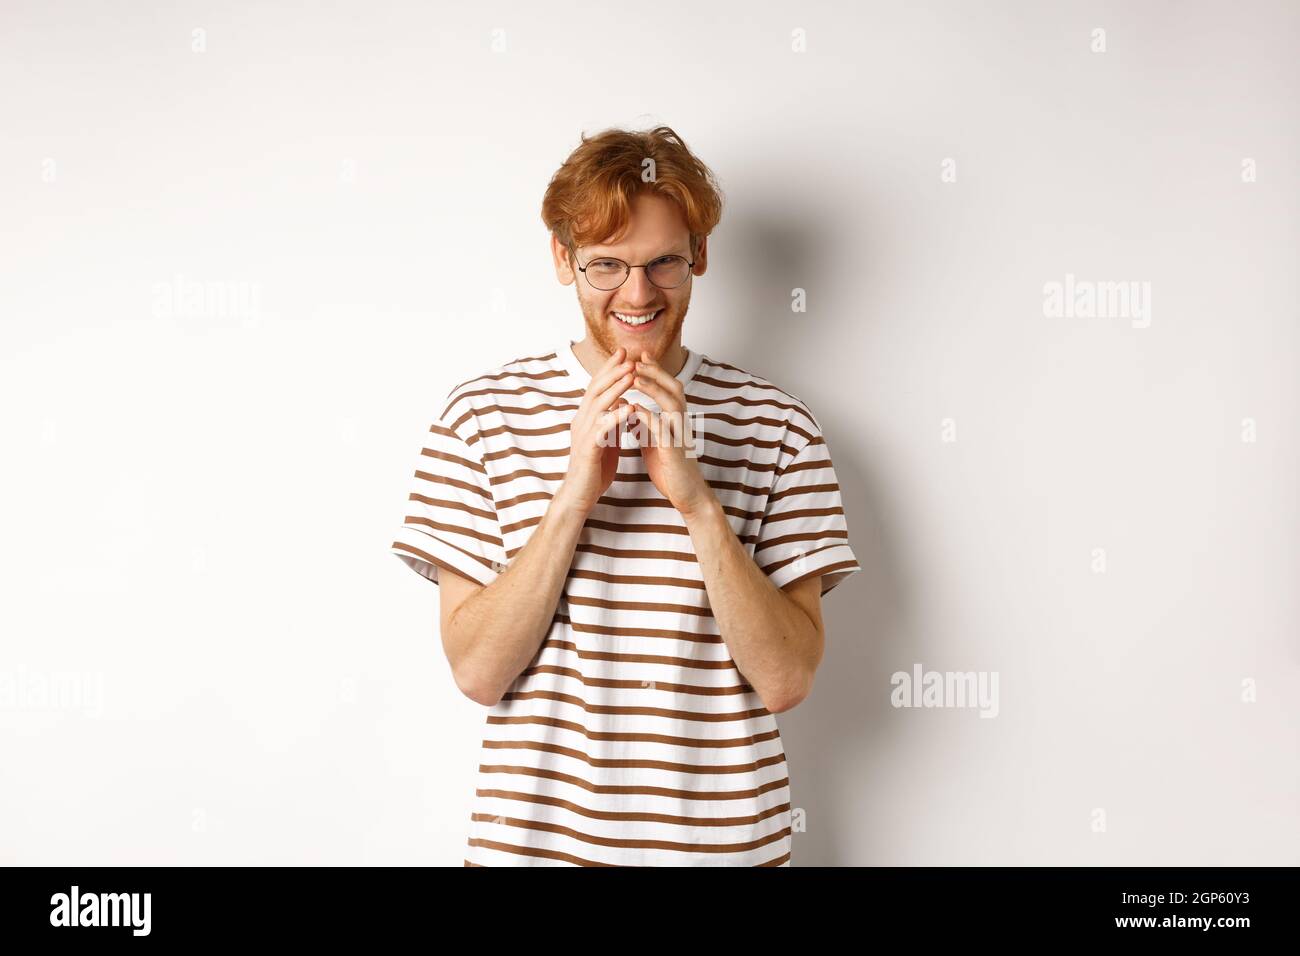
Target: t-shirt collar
583 378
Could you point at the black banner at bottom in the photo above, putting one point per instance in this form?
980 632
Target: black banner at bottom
215 905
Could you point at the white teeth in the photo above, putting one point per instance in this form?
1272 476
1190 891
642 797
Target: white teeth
635 320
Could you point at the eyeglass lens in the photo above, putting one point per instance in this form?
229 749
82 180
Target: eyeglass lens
666 272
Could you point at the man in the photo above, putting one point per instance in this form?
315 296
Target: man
632 542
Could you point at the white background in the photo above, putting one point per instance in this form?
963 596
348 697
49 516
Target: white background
198 502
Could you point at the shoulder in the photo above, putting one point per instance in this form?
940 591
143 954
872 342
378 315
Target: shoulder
538 373
754 395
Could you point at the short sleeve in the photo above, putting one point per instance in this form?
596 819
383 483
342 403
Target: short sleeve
451 519
804 532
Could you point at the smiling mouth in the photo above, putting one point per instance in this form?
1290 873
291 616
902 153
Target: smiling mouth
637 322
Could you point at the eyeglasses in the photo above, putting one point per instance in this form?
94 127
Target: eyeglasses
666 272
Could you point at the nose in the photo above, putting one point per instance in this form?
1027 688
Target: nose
638 291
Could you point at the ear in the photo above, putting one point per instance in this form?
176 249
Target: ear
701 257
564 270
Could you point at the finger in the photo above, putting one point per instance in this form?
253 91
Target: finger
648 366
604 398
618 363
664 398
616 357
610 425
609 370
655 372
649 423
609 421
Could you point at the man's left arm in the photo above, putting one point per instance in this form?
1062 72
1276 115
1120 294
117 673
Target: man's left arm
770 617
775 635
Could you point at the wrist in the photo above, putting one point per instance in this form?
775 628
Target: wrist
708 509
565 505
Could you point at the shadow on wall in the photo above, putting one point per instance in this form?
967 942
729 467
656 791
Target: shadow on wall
835 738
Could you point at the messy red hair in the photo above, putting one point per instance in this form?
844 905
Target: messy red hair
590 196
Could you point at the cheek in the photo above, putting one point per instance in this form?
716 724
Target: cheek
599 301
595 305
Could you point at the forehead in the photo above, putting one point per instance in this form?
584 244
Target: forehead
656 226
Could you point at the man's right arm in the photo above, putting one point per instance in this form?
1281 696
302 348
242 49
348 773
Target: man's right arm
490 634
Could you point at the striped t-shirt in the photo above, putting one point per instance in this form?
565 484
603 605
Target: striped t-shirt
631 739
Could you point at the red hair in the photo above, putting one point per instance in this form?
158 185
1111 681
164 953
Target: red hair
589 198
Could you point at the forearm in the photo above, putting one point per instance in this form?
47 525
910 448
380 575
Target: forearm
773 642
495 633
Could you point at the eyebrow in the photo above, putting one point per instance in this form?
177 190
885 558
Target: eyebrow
609 255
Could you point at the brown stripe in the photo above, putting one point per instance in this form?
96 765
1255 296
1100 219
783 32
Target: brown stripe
806 536
623 503
667 712
630 816
525 473
632 844
832 488
635 553
561 428
521 390
634 684
748 383
432 560
454 505
822 572
520 361
536 851
526 453
803 513
526 496
636 579
730 463
615 658
517 410
748 375
507 410
569 857
776 566
511 372
631 763
716 743
741 401
452 528
691 609
453 482
758 420
454 459
693 636
718 439
629 528
636 789
557 476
